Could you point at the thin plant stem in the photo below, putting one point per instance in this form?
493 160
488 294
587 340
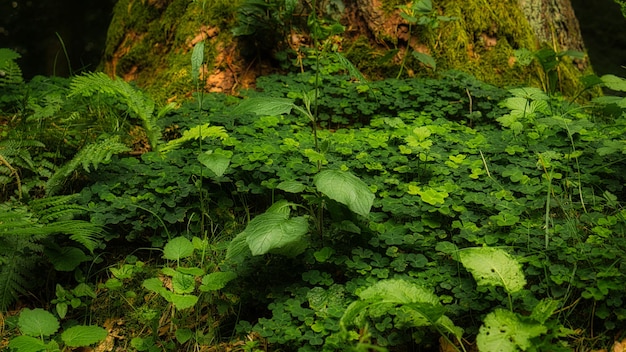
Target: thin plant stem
67 57
408 47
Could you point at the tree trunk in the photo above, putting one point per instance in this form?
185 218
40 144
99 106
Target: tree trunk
150 41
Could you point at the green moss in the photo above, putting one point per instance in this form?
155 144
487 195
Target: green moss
369 60
482 40
160 41
391 5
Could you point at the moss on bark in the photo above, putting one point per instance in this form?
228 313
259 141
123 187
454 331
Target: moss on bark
150 42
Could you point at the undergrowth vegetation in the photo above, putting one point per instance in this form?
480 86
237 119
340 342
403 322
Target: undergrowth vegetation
318 212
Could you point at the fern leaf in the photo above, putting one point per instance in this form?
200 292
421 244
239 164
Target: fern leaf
49 209
91 155
83 232
18 253
15 273
136 101
10 72
197 132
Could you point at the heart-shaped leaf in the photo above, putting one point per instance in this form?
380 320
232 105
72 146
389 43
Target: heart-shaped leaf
216 160
178 248
37 322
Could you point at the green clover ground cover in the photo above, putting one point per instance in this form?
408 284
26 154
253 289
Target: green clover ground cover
419 211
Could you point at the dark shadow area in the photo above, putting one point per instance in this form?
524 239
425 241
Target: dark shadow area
604 31
30 27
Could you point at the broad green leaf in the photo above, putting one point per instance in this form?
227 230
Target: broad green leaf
420 306
505 331
183 283
83 335
425 59
154 285
346 189
195 271
291 186
216 160
178 248
572 53
65 258
423 7
282 207
37 322
493 267
183 335
238 248
197 56
614 82
399 291
61 309
446 324
27 344
183 301
217 280
264 106
272 231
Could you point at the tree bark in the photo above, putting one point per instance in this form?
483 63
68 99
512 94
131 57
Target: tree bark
150 42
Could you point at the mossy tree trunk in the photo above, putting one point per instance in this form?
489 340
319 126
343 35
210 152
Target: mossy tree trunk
150 41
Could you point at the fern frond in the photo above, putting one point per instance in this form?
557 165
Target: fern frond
84 232
17 152
49 209
22 227
16 266
137 101
10 72
18 245
197 132
17 220
91 155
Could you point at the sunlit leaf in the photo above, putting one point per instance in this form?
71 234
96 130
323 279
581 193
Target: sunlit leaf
493 267
271 231
425 59
197 56
346 189
505 331
178 248
216 160
83 335
217 280
264 106
614 82
291 186
37 322
183 335
183 301
25 343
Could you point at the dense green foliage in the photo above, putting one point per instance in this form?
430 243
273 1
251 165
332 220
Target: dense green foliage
361 215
